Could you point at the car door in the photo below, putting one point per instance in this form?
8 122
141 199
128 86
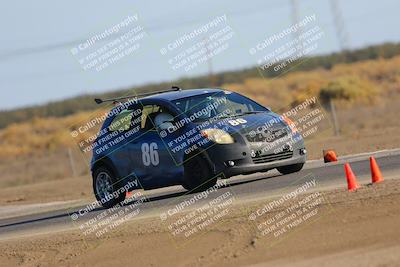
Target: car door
121 132
151 159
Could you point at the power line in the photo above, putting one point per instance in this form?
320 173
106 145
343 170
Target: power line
69 44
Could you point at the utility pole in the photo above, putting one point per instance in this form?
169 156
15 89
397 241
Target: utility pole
72 163
295 19
334 117
209 63
341 31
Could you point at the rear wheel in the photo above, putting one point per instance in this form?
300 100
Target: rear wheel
198 175
106 187
290 168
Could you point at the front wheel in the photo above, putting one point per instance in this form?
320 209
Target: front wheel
198 175
106 188
290 168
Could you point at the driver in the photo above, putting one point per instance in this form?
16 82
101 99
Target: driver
163 121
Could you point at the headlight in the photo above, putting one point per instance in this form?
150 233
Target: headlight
290 123
218 136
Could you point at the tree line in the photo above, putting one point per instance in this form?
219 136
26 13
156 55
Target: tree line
85 102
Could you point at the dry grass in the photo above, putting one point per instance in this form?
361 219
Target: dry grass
37 151
281 93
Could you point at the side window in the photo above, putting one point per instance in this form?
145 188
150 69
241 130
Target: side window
148 114
122 121
156 117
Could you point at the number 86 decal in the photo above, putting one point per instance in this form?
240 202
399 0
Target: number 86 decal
237 122
150 154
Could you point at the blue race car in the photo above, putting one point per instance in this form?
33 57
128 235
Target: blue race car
189 138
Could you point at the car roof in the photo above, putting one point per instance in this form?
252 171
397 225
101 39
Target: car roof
173 95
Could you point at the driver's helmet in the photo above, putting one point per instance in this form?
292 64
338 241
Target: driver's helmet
163 120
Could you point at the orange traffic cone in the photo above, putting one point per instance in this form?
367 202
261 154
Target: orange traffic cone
375 171
329 155
352 183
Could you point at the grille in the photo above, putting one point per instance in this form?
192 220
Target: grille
266 136
272 157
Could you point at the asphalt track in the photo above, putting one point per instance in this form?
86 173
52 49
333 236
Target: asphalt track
245 188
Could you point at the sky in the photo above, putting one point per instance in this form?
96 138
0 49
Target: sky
46 53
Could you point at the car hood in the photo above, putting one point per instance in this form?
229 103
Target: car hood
249 122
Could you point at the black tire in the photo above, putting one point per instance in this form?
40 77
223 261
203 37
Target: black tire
198 175
116 196
290 168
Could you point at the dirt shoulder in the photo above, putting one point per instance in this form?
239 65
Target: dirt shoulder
353 229
67 189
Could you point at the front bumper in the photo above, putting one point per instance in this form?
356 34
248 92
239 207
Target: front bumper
245 162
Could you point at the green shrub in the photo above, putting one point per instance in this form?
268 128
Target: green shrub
351 88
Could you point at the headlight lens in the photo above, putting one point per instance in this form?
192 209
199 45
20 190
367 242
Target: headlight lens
291 124
218 136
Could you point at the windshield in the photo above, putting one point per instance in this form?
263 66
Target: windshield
222 104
